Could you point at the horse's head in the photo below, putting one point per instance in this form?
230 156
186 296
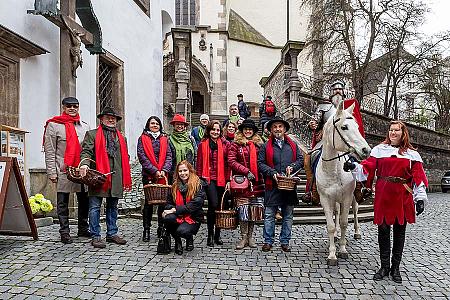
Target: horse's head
341 131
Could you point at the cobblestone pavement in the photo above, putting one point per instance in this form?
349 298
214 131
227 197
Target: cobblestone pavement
47 269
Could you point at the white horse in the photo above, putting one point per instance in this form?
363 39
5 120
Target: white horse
355 208
340 138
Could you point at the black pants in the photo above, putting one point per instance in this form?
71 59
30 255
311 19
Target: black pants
147 213
384 241
62 209
183 230
214 194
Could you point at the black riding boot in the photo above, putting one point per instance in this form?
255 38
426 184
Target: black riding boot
384 242
397 250
146 222
217 238
210 222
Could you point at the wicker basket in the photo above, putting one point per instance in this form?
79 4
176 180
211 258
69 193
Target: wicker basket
93 178
287 183
156 194
226 219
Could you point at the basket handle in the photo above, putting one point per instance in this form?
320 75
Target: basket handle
223 196
164 176
87 158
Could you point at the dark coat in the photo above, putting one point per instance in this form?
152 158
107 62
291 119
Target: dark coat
244 111
282 159
212 161
239 150
263 117
115 163
194 208
148 169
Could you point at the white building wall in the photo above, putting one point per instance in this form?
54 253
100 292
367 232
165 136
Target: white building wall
128 34
255 62
209 12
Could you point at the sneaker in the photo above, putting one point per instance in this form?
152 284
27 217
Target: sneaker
66 238
98 243
116 240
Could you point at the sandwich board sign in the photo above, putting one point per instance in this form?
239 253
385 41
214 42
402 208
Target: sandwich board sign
16 217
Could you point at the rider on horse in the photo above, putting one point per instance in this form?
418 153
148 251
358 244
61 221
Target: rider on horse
324 111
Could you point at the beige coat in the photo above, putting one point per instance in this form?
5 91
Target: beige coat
55 147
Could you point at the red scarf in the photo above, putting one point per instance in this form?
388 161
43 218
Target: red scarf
178 202
102 159
73 148
269 157
148 149
206 151
253 160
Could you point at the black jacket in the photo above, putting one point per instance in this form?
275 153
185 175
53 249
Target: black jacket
194 208
282 158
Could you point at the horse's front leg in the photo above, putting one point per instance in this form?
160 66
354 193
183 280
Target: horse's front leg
345 207
337 215
329 210
355 207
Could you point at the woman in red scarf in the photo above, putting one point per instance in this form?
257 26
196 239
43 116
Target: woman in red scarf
155 156
229 131
243 158
183 213
211 157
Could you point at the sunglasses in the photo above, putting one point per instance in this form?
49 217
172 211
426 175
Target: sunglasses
72 105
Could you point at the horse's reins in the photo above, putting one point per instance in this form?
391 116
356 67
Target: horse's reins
342 138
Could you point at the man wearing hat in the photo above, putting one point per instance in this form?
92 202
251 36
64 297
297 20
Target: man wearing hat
62 138
279 156
183 145
108 148
324 111
198 132
244 111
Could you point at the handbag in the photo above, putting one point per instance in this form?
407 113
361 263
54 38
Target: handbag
164 242
239 183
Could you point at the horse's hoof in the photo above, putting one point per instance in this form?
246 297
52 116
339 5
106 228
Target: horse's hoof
357 236
343 255
332 261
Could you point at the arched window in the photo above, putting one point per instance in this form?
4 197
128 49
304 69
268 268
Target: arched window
185 12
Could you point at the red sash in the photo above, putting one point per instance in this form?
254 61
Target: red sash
148 149
178 202
269 157
73 148
220 162
102 159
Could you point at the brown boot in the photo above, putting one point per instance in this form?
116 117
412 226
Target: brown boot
116 240
66 238
97 242
244 230
251 241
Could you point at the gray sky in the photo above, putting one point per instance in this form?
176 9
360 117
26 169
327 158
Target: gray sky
438 19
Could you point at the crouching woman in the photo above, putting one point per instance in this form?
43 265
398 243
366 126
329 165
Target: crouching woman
183 213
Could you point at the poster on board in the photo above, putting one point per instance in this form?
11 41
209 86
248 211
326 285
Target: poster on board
16 217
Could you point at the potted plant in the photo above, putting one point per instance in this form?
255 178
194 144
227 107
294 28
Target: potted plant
40 207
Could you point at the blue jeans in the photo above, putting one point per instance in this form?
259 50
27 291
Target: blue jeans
287 211
111 216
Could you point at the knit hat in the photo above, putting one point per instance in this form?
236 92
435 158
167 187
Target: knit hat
204 116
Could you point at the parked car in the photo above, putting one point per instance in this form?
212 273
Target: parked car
445 182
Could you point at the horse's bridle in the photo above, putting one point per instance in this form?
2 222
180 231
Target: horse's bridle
342 138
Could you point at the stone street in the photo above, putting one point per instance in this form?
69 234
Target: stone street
47 269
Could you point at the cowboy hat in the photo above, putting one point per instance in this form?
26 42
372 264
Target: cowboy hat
109 111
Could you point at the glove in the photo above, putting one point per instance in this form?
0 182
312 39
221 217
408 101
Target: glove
250 176
349 166
420 206
366 193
